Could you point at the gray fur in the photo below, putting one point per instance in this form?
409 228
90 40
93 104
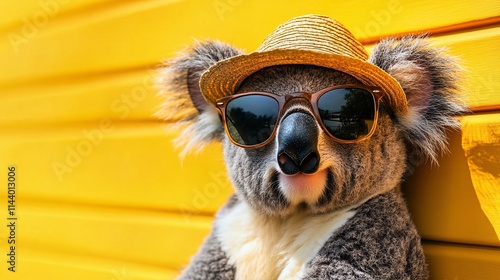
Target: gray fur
356 173
432 80
379 241
368 248
184 106
211 263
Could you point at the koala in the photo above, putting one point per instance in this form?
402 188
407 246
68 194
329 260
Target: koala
314 199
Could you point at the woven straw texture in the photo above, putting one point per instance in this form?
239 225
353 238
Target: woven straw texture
310 40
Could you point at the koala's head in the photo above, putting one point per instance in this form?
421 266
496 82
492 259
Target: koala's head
286 151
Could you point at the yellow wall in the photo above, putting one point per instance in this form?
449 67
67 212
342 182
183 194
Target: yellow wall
100 191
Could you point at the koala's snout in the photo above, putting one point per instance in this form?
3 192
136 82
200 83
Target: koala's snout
298 144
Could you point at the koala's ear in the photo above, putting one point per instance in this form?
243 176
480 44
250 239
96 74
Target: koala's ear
432 82
184 106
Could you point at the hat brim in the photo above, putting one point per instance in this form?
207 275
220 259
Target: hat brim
225 77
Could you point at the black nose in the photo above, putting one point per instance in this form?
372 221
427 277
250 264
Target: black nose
297 144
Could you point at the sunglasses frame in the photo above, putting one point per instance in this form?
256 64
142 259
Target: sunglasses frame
312 98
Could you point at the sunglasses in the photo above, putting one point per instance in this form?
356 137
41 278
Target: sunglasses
347 113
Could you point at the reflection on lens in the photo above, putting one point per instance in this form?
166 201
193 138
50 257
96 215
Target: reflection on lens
348 114
251 119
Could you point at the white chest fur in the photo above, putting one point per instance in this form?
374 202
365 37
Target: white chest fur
274 248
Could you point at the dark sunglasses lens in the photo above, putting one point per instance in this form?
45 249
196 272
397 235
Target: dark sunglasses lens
347 113
251 119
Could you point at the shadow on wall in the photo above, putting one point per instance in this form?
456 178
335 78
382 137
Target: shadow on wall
486 156
443 200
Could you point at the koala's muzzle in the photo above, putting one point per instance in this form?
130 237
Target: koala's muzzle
297 144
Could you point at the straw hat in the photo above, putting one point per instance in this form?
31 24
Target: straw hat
312 40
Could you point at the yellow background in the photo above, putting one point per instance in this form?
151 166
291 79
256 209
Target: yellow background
101 192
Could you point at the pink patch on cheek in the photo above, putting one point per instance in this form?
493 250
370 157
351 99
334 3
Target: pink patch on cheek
303 187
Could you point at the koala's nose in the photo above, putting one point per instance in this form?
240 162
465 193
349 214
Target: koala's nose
297 144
